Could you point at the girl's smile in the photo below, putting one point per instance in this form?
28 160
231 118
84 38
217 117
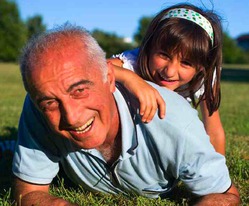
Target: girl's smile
170 71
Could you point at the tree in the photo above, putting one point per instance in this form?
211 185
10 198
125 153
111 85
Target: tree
232 54
12 31
34 25
142 28
111 43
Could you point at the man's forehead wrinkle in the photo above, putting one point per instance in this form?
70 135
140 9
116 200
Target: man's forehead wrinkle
71 55
81 82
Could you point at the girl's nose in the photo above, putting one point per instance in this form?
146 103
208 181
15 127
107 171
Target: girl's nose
171 69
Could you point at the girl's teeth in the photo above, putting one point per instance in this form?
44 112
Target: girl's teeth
162 76
165 78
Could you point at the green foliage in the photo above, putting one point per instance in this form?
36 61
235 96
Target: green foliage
234 108
5 199
12 95
142 28
12 31
34 25
234 113
111 43
232 54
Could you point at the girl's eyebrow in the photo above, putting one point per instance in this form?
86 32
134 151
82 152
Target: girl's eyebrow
84 82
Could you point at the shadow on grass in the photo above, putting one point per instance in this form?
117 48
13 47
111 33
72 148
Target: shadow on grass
179 194
7 146
235 75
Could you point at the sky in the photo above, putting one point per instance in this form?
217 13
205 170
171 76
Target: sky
122 16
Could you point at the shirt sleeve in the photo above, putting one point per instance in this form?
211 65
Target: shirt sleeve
203 170
129 59
34 160
185 149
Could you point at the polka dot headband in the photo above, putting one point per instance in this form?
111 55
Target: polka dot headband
191 16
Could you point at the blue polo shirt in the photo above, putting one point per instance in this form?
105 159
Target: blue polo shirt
154 156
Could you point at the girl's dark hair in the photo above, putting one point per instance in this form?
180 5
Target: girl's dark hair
180 36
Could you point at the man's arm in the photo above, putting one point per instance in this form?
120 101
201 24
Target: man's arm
32 194
231 197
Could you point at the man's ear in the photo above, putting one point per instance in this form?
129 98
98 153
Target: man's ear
111 76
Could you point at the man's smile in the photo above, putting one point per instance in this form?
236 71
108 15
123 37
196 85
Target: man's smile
84 128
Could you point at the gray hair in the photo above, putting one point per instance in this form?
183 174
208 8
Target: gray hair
52 40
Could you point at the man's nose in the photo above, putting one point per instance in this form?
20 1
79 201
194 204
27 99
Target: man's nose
70 113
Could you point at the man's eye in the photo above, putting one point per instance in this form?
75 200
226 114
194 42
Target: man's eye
49 105
80 93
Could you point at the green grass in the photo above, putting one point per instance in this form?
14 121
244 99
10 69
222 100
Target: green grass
235 66
234 114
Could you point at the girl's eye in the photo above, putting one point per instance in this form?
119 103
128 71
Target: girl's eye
186 63
163 55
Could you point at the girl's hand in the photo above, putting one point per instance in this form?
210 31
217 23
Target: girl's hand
149 98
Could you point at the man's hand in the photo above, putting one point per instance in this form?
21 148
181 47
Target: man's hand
31 194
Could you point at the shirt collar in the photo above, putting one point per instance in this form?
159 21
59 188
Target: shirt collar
127 115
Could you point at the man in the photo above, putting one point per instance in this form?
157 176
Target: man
74 114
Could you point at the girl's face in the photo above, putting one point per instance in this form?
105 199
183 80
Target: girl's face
171 72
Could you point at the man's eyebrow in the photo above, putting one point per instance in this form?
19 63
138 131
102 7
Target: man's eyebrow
86 82
41 99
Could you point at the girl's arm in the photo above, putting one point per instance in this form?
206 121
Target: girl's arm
213 128
149 98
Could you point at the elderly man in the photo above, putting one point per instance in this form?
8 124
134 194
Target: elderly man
75 115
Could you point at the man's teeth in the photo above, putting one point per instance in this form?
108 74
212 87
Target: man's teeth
84 128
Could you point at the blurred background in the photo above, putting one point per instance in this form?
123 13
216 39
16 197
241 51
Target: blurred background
117 25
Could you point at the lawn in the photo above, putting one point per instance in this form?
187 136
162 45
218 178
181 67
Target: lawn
234 112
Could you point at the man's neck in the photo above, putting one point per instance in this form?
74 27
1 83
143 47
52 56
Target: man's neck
111 152
111 148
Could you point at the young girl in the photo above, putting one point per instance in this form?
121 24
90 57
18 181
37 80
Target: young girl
181 51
